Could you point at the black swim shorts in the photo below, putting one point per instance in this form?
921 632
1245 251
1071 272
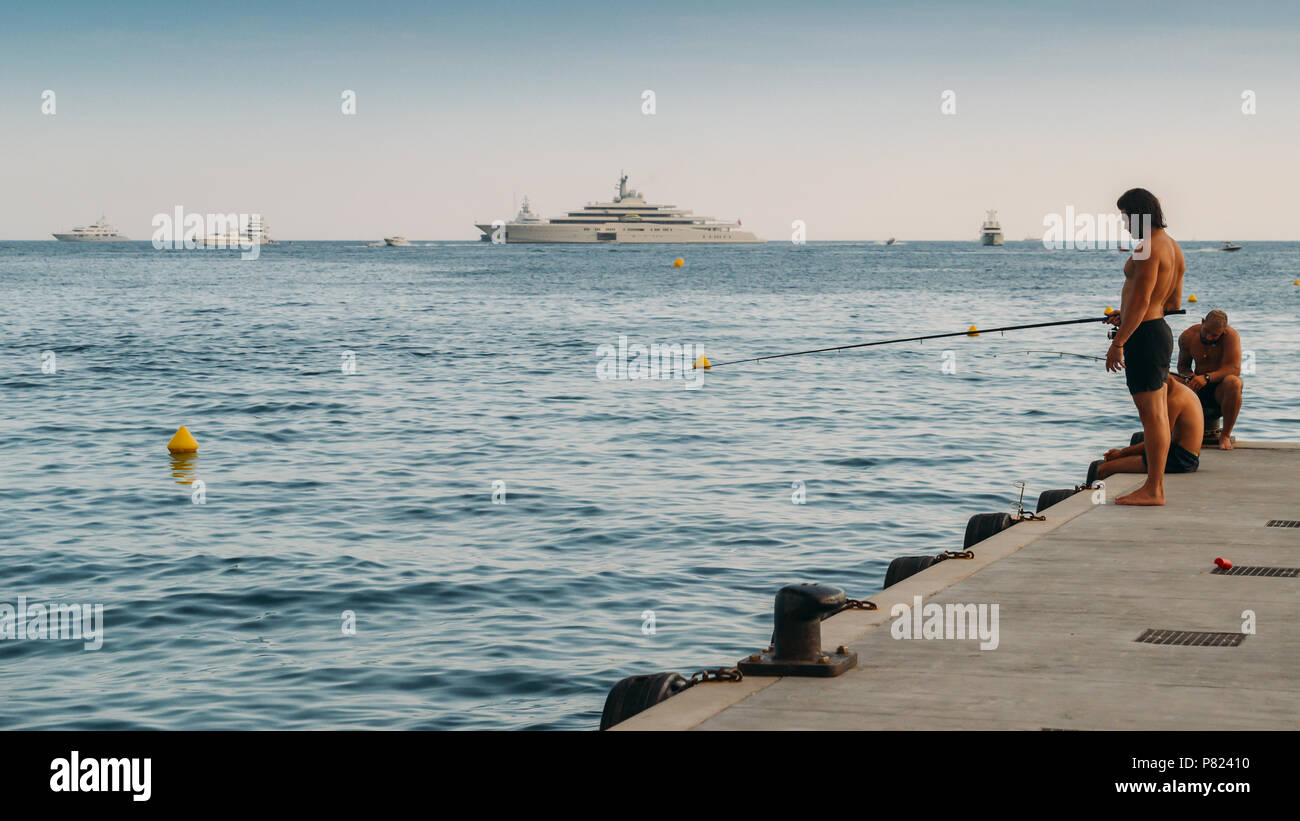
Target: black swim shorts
1180 460
1146 356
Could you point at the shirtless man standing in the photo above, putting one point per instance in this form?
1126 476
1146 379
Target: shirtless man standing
1215 349
1144 344
1186 427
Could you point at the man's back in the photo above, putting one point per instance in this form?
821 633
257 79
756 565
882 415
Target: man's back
1169 275
1164 254
1185 416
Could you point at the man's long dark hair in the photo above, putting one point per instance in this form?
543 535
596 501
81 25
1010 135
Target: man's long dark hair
1139 202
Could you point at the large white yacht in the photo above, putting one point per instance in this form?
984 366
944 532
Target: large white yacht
100 231
627 218
991 230
525 214
252 232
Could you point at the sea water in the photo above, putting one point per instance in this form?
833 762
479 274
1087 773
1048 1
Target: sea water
416 504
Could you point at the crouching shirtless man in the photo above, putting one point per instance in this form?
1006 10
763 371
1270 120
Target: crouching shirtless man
1215 350
1187 428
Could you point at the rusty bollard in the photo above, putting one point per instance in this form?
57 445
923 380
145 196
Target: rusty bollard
797 638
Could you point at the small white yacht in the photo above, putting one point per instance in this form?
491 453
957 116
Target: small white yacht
99 231
991 230
400 242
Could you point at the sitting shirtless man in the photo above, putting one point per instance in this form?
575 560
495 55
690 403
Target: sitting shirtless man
1187 428
1215 349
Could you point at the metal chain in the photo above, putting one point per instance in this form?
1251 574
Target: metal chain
859 604
716 674
955 554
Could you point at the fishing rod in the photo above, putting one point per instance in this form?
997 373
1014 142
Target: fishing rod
1054 353
973 331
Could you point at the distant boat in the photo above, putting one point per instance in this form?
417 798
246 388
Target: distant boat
374 245
253 233
890 241
991 230
397 241
1228 246
1122 248
627 218
100 231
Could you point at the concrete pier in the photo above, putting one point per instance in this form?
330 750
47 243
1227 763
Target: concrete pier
1074 593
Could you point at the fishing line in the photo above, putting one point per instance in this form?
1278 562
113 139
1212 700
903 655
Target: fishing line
973 331
1054 353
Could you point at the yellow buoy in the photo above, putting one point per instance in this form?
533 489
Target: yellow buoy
1297 282
183 442
972 331
702 362
1109 310
679 262
1192 298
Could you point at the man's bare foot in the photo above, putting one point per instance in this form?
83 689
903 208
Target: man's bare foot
1142 496
1225 441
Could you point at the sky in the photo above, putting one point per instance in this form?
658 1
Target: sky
829 113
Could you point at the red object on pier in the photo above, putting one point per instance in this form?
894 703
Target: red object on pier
1224 563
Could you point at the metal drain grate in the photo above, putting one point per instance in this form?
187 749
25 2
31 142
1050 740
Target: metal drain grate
1191 638
1282 523
1242 570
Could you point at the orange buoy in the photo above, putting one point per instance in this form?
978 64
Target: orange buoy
183 442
